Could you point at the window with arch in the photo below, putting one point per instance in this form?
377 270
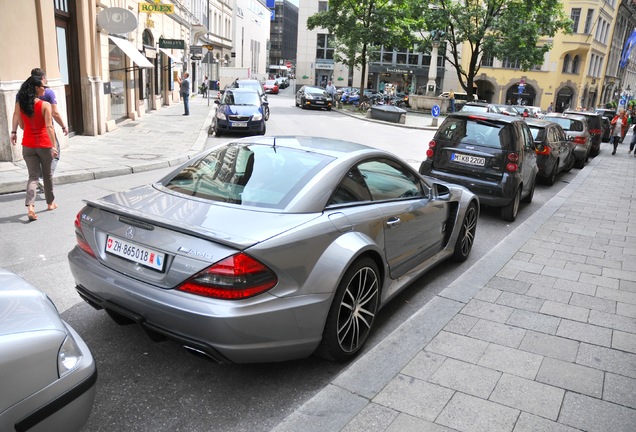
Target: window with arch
575 64
566 63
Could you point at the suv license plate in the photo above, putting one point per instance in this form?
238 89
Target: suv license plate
468 160
133 252
239 124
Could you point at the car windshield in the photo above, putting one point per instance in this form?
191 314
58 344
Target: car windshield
315 91
240 98
249 174
471 130
475 108
568 124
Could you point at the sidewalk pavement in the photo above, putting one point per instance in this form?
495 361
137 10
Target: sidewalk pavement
538 335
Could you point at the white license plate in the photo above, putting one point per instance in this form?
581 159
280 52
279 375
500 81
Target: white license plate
469 160
319 102
239 124
133 252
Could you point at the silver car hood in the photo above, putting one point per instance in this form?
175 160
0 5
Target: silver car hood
23 308
230 224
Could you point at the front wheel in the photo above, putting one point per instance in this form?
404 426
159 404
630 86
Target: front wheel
352 312
528 198
509 212
266 112
466 238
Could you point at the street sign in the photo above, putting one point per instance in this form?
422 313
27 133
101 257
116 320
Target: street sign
288 64
435 111
117 20
196 49
171 43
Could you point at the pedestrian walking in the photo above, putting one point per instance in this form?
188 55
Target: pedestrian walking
184 90
451 96
619 128
551 107
331 89
38 150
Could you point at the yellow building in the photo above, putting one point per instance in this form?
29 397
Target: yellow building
581 70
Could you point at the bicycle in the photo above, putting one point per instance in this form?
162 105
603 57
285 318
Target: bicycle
364 105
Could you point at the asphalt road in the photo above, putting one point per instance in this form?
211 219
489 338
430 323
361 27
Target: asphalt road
148 386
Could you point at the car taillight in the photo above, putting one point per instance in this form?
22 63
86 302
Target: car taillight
236 277
595 131
543 149
580 140
512 166
79 235
431 149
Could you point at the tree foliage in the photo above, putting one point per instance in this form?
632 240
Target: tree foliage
358 26
517 30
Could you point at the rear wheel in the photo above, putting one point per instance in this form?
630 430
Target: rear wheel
552 177
352 312
466 237
570 163
509 212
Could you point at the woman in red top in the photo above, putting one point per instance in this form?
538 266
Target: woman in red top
619 129
37 142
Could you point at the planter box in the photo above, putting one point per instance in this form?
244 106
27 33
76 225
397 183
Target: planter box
387 113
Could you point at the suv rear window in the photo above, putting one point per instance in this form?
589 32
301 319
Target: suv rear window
470 130
567 124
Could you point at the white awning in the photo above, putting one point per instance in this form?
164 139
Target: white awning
170 55
132 52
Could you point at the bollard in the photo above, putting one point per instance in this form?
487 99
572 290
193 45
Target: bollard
434 122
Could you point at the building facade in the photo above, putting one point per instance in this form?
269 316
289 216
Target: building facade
283 37
108 61
251 37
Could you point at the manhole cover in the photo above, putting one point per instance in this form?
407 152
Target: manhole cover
142 156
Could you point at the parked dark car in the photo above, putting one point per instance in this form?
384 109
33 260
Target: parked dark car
240 110
594 126
555 153
313 97
256 85
576 129
607 129
489 107
493 155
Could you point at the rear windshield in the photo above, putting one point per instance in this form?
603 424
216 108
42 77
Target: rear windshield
538 134
249 174
456 131
568 124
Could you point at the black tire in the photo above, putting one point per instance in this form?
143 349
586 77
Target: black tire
264 130
352 312
509 212
528 198
549 180
570 163
579 163
266 112
466 238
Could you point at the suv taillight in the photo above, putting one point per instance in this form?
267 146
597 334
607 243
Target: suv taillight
431 149
235 278
512 166
580 140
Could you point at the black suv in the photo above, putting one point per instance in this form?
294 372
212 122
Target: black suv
493 155
594 126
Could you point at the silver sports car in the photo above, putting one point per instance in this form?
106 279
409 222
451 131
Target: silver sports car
47 373
269 248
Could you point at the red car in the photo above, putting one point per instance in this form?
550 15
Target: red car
271 86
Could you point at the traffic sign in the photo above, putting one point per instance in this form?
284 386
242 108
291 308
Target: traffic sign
288 64
435 111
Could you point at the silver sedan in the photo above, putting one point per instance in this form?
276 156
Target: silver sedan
269 248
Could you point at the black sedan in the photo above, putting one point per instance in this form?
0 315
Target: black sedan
313 97
555 153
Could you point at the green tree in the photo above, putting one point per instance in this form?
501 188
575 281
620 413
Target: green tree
517 30
357 26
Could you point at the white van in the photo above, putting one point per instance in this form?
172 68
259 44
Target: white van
459 96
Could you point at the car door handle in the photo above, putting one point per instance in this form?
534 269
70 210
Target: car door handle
393 222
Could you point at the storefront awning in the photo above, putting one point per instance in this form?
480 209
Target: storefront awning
170 55
132 53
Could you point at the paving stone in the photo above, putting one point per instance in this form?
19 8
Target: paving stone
415 397
487 294
519 301
457 346
498 333
614 321
607 359
461 324
531 423
551 261
407 423
372 418
486 310
511 361
423 365
467 413
534 321
529 396
627 286
575 269
562 310
615 294
525 266
619 274
507 273
508 284
620 389
562 273
550 346
599 281
466 378
594 415
591 302
536 279
523 256
624 341
604 262
549 293
570 376
585 333
570 257
626 309
575 287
